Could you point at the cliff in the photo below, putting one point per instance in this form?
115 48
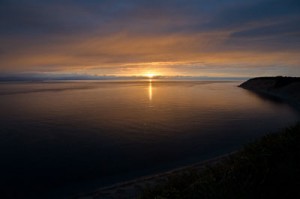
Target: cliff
286 88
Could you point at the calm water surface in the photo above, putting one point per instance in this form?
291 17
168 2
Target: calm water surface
61 138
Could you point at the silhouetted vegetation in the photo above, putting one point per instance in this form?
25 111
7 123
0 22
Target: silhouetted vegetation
267 168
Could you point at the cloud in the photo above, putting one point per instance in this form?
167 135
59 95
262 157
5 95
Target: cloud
250 14
289 28
108 36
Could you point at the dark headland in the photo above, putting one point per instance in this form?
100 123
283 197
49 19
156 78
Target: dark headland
265 168
284 88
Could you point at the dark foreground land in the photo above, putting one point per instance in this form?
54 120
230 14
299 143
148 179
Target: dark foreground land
267 168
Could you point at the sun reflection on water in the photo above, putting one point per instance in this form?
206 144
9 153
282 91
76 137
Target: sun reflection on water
150 89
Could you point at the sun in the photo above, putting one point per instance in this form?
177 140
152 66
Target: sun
150 75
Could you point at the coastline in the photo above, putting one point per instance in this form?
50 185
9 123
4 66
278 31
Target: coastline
286 89
270 161
265 168
133 188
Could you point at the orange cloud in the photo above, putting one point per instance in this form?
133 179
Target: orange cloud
133 38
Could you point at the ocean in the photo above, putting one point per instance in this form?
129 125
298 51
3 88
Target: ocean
61 138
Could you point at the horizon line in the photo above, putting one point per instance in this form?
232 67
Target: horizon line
49 77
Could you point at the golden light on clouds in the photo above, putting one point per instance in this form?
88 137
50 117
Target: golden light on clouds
195 38
130 54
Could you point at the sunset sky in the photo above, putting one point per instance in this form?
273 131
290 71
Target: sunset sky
216 38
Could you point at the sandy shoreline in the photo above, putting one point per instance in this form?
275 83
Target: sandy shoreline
131 189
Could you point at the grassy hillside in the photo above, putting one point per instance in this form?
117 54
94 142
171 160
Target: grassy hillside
267 168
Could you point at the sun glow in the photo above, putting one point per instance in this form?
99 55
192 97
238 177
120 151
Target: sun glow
150 75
